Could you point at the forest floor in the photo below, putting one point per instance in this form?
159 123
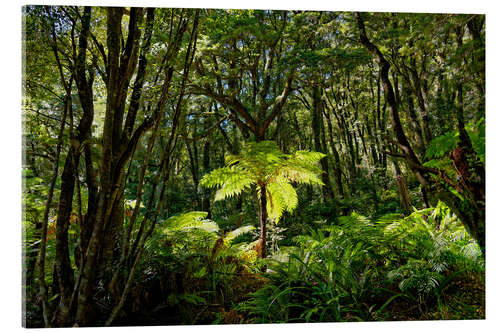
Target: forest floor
464 299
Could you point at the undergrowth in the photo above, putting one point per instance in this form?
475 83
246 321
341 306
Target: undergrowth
395 267
391 268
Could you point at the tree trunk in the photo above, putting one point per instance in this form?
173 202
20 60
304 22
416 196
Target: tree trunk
193 166
138 246
43 246
63 263
261 245
317 119
337 171
63 266
205 204
417 89
417 130
404 198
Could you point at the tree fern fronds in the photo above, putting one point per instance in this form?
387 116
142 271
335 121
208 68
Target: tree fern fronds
300 174
308 157
471 251
228 174
237 232
231 189
272 171
190 220
283 197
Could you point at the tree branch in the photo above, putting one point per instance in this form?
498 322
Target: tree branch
279 103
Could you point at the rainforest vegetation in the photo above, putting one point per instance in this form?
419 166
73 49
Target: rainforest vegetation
198 166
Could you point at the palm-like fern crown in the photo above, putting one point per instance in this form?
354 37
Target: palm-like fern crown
262 163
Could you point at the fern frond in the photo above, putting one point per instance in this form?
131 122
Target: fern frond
234 186
232 179
237 232
281 197
190 220
300 174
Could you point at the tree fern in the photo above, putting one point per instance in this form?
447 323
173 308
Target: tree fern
264 165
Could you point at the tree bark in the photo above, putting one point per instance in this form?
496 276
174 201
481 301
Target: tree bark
404 198
317 119
43 246
138 246
205 203
337 170
417 129
64 271
116 151
261 245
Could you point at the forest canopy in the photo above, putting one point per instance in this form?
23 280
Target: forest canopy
187 166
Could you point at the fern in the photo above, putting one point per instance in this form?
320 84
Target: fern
191 220
282 197
337 269
232 179
442 144
263 163
237 232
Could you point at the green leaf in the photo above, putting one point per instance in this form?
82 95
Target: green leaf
442 145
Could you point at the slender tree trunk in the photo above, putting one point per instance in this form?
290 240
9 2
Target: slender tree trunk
113 234
206 168
64 271
261 245
63 264
337 172
88 220
417 130
317 119
404 198
43 245
417 88
324 149
193 167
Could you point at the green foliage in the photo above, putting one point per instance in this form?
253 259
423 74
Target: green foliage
477 136
192 234
196 262
441 145
323 266
281 197
337 272
232 179
228 237
34 195
263 163
189 221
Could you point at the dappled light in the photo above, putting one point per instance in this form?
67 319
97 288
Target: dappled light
219 166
